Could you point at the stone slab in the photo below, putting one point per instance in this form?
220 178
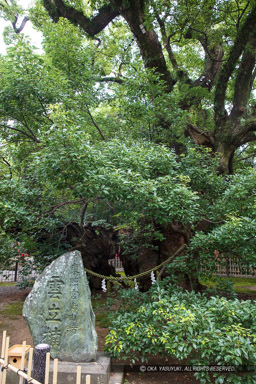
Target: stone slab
58 310
116 378
99 371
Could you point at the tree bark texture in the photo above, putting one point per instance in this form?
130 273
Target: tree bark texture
97 245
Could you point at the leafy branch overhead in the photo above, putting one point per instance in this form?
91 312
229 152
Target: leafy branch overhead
10 10
229 54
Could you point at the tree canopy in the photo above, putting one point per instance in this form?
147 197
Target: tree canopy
170 38
137 114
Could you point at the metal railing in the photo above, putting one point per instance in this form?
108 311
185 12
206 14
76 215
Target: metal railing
16 275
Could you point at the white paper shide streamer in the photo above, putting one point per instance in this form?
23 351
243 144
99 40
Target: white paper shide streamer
103 285
152 276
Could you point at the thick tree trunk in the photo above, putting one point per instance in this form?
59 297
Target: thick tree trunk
97 245
148 258
134 264
226 154
228 136
148 43
173 240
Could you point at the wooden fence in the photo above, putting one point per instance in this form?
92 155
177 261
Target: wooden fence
226 268
230 268
116 263
5 366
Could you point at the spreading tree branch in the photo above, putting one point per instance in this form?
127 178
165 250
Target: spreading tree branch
244 34
8 164
110 79
21 27
244 80
70 202
242 14
147 40
200 137
32 137
166 40
213 61
133 13
246 132
251 156
57 9
95 124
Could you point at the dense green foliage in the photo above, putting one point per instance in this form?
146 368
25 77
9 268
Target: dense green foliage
191 327
142 183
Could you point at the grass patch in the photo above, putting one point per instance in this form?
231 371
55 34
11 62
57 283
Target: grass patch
7 284
98 303
12 311
103 310
99 308
241 284
102 319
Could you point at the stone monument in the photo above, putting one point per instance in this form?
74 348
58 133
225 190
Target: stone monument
58 310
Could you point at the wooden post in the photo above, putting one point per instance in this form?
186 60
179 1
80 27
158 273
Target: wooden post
78 374
5 359
55 371
39 362
88 379
47 368
3 345
2 354
30 363
22 364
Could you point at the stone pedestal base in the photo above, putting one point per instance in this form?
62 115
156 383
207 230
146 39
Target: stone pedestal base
99 371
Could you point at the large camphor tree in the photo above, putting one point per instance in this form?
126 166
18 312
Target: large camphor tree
224 30
138 113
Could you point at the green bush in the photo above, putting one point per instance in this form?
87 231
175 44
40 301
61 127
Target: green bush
187 326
